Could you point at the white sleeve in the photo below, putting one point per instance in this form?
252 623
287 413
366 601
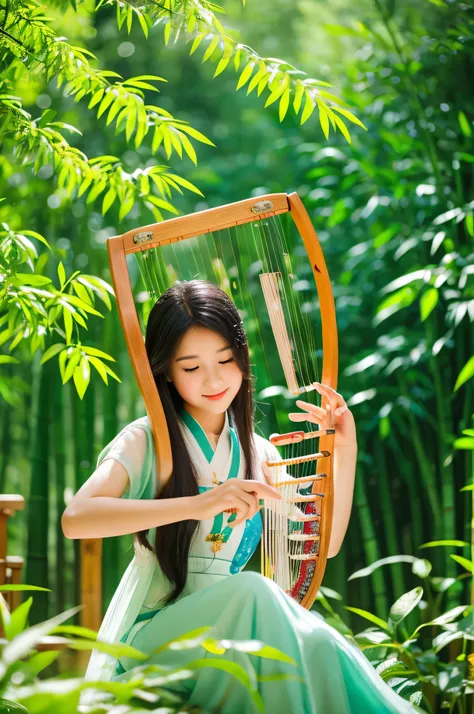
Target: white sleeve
129 448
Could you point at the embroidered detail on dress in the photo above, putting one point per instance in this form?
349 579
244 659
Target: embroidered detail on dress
248 543
217 540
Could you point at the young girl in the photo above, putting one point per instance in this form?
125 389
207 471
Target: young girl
195 535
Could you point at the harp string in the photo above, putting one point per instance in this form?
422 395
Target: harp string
233 258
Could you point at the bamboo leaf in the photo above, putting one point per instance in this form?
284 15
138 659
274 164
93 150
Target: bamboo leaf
167 33
73 361
61 274
299 94
465 562
212 46
284 104
469 221
100 368
465 374
81 377
222 64
52 351
160 203
143 23
39 237
466 443
24 643
185 184
343 129
191 23
349 115
308 108
111 373
195 134
7 359
109 198
464 124
404 605
245 75
197 41
131 122
428 302
383 561
18 619
125 208
256 78
437 543
189 149
67 325
236 670
369 616
30 279
323 119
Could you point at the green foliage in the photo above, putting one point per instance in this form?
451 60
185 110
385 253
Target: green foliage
197 21
30 46
33 309
410 658
137 689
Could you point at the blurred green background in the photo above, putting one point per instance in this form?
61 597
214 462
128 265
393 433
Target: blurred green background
393 211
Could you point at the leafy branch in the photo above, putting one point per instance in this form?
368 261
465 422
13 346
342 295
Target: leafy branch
32 308
282 82
40 142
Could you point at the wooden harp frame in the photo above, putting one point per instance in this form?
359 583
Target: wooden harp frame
214 219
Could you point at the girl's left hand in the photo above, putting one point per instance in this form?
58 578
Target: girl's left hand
336 415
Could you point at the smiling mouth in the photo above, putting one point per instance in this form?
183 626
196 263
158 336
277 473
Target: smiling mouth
215 396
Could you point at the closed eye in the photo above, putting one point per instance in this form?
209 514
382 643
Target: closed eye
193 369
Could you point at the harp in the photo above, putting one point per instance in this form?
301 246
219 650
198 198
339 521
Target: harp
265 254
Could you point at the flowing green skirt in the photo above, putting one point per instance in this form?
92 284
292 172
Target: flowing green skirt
337 677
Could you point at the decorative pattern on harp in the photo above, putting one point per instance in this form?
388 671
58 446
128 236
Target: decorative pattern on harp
265 254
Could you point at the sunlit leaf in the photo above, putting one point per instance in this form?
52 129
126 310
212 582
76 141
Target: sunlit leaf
369 616
464 124
465 562
52 351
436 543
428 302
465 374
405 604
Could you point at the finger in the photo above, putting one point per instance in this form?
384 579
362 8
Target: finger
336 399
312 408
263 490
298 416
247 510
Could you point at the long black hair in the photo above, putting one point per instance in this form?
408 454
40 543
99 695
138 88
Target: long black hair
185 305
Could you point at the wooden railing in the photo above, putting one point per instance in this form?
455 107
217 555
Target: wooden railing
91 579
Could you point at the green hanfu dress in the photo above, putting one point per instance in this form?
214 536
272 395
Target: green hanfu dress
337 677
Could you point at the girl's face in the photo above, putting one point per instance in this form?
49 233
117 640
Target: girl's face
204 367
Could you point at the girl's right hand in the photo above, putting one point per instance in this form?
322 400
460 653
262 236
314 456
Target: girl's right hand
240 494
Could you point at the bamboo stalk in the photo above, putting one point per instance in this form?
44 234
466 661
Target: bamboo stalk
37 501
111 565
6 440
370 543
443 407
57 423
389 524
424 463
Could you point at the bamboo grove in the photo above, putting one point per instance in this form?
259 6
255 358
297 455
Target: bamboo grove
394 210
